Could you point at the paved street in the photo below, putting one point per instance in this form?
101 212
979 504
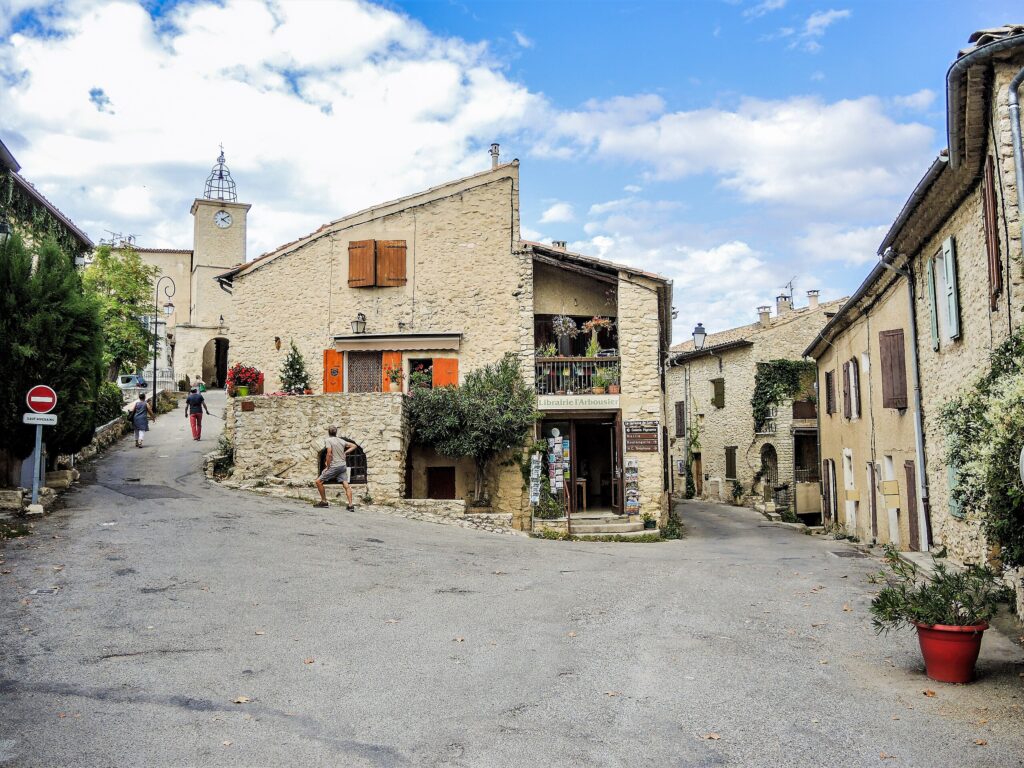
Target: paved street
370 640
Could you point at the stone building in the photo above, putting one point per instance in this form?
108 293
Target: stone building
869 462
428 288
25 211
711 418
953 257
195 336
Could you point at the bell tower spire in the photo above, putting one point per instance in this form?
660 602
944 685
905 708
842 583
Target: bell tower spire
219 184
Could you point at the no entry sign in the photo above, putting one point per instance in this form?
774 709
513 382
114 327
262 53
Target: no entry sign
41 399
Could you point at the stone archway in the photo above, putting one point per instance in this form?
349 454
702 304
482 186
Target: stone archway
215 362
769 471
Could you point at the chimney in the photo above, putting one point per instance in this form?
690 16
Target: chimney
783 304
495 152
764 314
560 244
812 299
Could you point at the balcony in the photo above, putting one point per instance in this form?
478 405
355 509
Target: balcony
577 375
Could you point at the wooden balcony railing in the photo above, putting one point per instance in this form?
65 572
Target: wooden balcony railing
576 375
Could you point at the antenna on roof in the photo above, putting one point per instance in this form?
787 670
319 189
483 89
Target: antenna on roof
791 286
118 239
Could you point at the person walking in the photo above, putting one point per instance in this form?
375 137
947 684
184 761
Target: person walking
142 412
335 467
200 385
195 404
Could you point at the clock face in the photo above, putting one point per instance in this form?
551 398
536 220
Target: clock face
222 219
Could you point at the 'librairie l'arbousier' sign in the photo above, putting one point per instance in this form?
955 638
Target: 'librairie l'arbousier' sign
642 435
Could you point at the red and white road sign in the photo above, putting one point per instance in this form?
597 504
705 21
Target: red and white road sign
41 399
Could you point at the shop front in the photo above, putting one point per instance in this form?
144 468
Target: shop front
583 465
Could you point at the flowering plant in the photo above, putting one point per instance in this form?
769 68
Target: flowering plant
244 376
422 376
596 323
564 327
394 373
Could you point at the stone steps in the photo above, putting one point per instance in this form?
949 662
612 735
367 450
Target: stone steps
587 527
624 534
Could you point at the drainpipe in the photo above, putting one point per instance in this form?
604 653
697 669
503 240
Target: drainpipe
1018 160
922 469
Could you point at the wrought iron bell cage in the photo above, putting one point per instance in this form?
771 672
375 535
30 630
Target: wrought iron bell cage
219 184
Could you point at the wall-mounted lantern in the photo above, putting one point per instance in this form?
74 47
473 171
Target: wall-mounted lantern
359 324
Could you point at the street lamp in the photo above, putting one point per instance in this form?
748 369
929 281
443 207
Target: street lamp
168 309
699 335
359 324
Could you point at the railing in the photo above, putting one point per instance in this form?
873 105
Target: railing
575 375
805 409
807 475
770 425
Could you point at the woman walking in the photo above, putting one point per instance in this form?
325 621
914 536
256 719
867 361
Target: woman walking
142 412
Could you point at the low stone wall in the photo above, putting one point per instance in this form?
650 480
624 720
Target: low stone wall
281 436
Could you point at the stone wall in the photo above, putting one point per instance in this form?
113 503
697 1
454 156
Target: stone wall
282 437
642 397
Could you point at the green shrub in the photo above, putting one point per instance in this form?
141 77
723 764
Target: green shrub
109 403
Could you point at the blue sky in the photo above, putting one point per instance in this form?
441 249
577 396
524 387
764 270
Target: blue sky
728 145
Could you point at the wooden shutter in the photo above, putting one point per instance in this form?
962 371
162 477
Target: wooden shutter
894 368
830 392
730 463
680 418
390 263
929 273
995 267
952 294
334 371
718 393
847 405
362 264
915 528
826 491
855 410
388 361
446 372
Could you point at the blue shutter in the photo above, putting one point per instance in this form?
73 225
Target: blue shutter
929 271
952 302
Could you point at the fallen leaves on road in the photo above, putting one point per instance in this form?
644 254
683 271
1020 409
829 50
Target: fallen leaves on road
226 743
928 692
242 700
711 736
980 743
58 567
6 571
458 639
823 661
611 693
572 634
884 756
500 573
820 624
308 661
260 632
846 607
391 621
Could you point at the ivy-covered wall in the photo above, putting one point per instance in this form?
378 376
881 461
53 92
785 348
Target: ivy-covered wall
32 220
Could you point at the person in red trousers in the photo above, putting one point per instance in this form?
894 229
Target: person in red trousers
195 404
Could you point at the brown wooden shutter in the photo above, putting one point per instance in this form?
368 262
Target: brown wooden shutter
830 393
847 404
894 368
730 463
913 524
826 491
995 267
718 393
680 418
362 264
858 411
390 263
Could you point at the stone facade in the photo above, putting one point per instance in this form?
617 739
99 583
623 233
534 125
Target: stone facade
281 437
691 380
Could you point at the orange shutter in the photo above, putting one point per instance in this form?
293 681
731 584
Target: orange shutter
334 371
390 263
446 372
389 360
361 264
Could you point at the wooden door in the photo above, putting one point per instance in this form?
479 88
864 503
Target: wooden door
440 482
698 475
334 371
915 531
616 464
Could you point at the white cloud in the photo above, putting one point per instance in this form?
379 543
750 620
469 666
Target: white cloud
321 107
763 8
834 242
801 152
918 101
522 40
817 77
557 214
815 27
632 189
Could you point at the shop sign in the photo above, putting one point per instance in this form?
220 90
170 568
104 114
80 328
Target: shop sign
577 402
642 435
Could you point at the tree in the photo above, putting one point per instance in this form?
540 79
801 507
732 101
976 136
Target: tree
50 333
293 372
490 414
123 283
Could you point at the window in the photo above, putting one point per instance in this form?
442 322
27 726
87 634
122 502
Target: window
379 263
894 369
730 463
365 372
421 373
830 392
851 389
356 462
680 418
718 393
995 267
943 294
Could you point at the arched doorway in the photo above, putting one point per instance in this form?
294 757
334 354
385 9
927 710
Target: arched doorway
215 362
769 471
356 462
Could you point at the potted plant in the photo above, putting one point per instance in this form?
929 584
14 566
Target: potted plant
950 609
565 328
546 350
610 376
243 379
394 374
649 522
421 377
604 378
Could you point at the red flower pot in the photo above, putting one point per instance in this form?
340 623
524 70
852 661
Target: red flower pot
950 652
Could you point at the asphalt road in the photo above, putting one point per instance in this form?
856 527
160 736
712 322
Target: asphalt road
372 640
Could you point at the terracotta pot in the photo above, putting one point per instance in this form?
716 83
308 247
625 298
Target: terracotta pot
598 390
950 653
613 389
